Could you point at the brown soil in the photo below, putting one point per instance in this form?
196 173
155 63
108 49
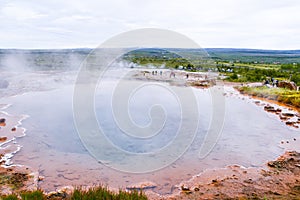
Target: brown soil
16 178
3 139
279 180
13 178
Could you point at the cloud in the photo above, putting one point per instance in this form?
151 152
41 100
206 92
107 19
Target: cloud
215 23
19 13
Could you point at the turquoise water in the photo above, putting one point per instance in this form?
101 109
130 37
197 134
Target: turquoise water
52 146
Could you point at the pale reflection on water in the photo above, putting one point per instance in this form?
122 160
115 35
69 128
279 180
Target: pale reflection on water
52 146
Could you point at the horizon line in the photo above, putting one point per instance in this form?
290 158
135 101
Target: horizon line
76 48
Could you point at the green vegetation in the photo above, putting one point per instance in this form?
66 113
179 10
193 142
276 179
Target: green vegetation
253 74
188 59
285 96
104 193
255 56
241 72
237 65
167 62
10 197
96 193
295 67
35 195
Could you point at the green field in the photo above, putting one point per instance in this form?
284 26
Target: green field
237 65
285 96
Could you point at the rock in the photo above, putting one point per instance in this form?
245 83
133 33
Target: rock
287 85
288 162
278 110
3 139
257 102
269 108
249 181
199 83
186 189
2 120
142 186
66 190
57 195
275 164
14 129
288 114
289 123
283 117
41 178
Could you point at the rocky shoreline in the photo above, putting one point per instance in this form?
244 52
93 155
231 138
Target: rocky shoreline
278 180
176 77
286 113
13 177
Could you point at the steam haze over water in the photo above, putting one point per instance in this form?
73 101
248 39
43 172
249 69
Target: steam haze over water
53 147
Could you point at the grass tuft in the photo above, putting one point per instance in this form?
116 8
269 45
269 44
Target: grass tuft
33 195
95 193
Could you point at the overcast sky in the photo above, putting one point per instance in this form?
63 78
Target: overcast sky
264 24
